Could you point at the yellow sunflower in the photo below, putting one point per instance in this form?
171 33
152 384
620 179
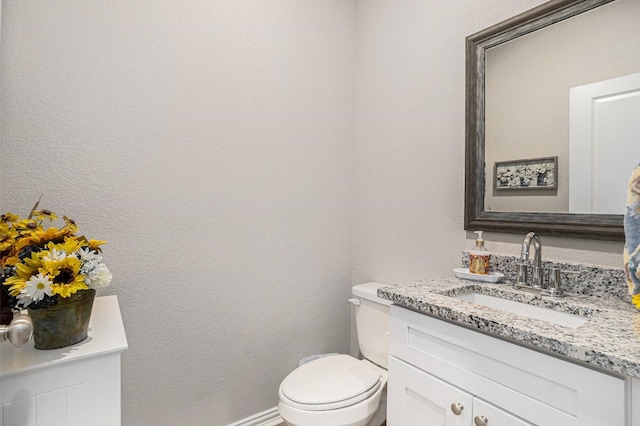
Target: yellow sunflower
16 283
45 214
70 245
53 234
7 237
24 270
40 237
66 277
26 227
30 265
95 244
70 224
9 217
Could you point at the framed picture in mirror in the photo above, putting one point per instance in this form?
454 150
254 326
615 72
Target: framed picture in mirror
534 173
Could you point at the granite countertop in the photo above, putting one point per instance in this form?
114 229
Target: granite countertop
610 339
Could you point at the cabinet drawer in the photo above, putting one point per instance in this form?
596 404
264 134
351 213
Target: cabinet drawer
539 388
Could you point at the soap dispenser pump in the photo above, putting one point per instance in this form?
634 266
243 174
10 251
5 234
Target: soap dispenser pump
479 257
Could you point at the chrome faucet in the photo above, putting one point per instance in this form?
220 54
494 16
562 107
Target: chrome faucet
538 284
522 271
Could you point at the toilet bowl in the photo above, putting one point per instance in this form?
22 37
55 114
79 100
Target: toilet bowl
345 392
338 389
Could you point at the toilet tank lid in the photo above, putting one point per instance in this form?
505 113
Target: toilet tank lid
369 291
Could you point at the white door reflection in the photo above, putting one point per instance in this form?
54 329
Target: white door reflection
604 144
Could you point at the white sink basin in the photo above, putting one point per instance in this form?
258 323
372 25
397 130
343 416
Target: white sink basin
524 309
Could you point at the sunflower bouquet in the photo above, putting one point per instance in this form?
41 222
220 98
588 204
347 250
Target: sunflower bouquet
39 266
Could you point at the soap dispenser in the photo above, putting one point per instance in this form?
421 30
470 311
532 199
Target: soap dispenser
479 257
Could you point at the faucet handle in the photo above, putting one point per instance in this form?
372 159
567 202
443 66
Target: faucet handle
538 277
522 272
555 282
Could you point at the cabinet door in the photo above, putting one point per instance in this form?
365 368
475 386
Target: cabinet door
485 414
415 398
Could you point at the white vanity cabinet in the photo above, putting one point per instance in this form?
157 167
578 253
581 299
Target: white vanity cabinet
444 374
74 386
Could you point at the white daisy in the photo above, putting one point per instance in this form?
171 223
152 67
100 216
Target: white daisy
23 301
54 254
37 287
86 254
90 260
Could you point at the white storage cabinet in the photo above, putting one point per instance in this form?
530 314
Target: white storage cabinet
74 386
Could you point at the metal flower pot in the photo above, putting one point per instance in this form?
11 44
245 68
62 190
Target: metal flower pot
64 324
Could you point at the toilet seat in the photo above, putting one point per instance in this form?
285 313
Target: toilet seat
339 381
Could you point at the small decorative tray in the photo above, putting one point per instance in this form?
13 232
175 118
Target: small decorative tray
492 277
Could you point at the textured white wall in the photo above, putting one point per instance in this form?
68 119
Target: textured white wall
210 142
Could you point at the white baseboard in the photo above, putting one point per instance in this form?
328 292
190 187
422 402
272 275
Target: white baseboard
266 418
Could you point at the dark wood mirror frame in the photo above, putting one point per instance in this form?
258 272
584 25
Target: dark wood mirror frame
590 226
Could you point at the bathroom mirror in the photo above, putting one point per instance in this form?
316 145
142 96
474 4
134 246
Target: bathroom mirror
479 172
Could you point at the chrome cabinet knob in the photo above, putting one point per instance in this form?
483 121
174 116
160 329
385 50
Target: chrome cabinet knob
481 421
457 408
19 330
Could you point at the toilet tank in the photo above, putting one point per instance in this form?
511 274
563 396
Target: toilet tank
372 323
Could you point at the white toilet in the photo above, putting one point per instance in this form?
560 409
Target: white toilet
340 390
